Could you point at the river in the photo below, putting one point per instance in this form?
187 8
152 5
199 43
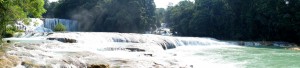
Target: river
129 50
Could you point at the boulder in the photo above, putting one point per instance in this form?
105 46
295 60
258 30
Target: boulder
49 34
8 41
135 50
64 40
99 66
151 55
282 44
8 61
294 48
71 41
50 38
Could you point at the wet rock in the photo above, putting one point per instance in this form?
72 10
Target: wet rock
8 41
28 64
99 66
119 40
294 48
71 40
23 54
135 50
8 61
264 43
148 55
64 40
157 65
49 34
192 66
68 61
282 44
166 44
4 63
164 47
114 49
30 47
174 54
51 38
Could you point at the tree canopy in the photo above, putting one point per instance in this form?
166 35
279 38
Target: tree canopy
260 20
135 16
12 10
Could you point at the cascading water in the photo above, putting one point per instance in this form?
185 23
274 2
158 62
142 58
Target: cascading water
50 23
46 25
129 50
117 49
163 30
34 25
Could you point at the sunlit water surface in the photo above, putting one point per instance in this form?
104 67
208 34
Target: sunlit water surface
239 57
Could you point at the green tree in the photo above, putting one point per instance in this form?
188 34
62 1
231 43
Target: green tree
180 17
160 15
59 27
51 9
110 15
255 20
11 10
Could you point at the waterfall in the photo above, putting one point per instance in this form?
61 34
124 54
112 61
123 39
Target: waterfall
33 25
45 25
71 25
163 30
166 42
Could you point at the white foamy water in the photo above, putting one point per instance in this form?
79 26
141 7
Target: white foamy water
124 50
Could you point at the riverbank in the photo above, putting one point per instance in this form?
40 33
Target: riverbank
6 60
263 43
267 44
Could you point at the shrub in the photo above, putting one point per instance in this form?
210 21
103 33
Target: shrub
9 33
26 21
59 27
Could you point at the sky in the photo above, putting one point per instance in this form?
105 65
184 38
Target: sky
159 3
53 0
165 3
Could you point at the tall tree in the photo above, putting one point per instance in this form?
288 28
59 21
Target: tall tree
110 15
11 10
260 20
51 9
180 16
160 15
